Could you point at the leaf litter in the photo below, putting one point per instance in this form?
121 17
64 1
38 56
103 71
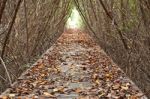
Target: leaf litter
75 67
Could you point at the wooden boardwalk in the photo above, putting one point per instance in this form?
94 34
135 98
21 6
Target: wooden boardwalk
75 67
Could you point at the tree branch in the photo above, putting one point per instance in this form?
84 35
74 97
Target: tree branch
11 25
3 63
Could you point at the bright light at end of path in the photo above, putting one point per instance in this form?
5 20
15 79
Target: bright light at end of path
74 20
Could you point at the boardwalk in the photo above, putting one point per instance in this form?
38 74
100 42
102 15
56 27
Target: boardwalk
75 67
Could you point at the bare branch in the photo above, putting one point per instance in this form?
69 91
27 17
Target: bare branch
3 63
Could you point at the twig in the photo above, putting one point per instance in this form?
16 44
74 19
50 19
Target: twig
3 63
3 78
2 9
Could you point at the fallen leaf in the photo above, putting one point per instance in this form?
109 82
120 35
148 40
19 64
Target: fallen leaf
95 76
78 90
124 87
48 94
133 97
97 82
4 97
12 95
60 89
116 86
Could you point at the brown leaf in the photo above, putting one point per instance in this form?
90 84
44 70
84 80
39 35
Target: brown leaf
116 86
97 82
60 89
4 97
48 95
78 90
133 97
124 87
95 76
41 66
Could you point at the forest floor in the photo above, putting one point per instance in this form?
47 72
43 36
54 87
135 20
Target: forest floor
75 67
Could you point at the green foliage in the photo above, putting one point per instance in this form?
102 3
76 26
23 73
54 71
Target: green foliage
75 20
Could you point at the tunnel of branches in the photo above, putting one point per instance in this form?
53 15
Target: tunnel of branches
121 27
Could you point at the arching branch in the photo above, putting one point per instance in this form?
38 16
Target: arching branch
115 23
